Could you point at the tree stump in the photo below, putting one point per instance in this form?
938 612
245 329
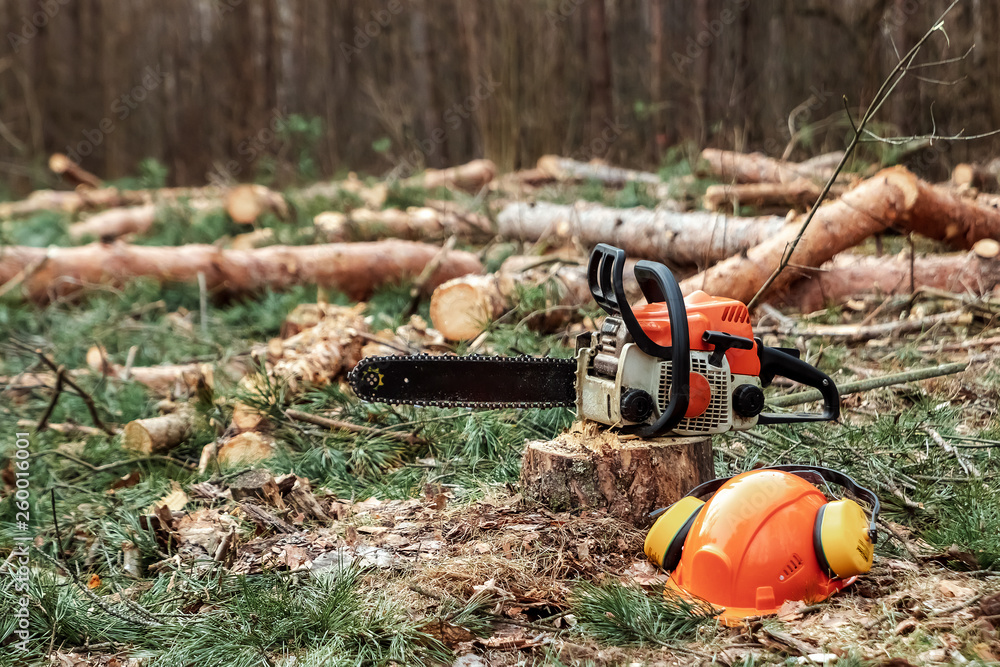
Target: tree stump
591 466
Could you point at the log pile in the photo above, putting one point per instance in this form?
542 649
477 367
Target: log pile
359 246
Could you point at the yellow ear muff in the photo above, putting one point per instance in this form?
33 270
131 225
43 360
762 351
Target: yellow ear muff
840 537
665 540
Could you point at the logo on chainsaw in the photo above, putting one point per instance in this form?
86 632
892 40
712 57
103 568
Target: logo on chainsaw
372 378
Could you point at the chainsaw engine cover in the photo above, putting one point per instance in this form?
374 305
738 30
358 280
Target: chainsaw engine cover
751 547
710 411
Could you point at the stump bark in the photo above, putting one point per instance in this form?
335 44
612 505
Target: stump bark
591 466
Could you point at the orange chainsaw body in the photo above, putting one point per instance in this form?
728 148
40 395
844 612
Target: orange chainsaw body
705 313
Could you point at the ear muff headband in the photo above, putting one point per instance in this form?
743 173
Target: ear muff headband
827 474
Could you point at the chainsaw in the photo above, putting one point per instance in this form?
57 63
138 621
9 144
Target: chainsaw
673 366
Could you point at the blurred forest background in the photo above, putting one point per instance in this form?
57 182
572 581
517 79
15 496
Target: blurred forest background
200 86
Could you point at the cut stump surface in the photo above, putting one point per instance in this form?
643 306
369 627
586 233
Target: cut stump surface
593 467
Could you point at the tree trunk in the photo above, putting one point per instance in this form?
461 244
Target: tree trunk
75 201
415 224
114 223
591 467
736 167
471 177
683 239
566 169
850 277
799 195
893 198
356 269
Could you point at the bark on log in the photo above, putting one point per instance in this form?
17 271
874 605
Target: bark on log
77 201
415 224
684 239
462 308
72 172
799 195
758 168
159 434
356 269
849 277
592 467
471 177
893 198
114 223
565 169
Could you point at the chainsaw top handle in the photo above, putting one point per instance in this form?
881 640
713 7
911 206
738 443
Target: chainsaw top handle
605 272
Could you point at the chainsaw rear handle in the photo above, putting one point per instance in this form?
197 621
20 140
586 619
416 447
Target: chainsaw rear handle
604 272
774 361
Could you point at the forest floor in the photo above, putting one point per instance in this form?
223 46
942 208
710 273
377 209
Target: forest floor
423 551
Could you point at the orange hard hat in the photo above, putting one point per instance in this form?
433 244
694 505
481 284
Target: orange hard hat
764 537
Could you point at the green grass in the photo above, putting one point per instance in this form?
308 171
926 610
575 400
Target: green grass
622 615
241 621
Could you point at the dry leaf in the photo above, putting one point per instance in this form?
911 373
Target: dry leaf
94 582
953 589
125 482
174 501
791 610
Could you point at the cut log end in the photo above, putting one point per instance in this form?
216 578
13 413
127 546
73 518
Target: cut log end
461 308
593 467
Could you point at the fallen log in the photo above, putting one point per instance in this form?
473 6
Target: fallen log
684 239
471 177
736 167
853 333
76 201
462 308
356 269
566 169
159 434
592 467
72 172
415 224
894 198
114 223
850 276
800 194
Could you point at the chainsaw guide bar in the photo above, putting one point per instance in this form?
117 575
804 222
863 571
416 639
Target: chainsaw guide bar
485 382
